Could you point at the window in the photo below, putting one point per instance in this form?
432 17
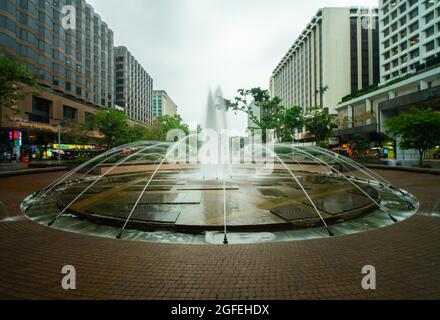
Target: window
414 27
40 110
430 46
413 14
428 4
429 17
414 54
429 32
414 41
403 33
403 46
403 21
69 113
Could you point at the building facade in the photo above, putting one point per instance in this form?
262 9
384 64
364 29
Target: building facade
74 67
410 76
133 87
409 36
365 116
337 54
162 104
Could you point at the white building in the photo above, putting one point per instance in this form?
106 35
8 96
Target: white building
409 37
163 105
339 49
257 113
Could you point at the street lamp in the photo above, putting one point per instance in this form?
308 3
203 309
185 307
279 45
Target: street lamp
59 144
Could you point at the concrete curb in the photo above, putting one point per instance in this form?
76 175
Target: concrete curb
370 166
408 169
31 171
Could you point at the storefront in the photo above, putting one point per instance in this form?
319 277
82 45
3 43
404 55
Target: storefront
388 150
18 142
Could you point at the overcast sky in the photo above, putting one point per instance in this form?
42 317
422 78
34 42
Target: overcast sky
192 46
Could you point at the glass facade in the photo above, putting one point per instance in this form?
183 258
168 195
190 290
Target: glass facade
409 36
76 63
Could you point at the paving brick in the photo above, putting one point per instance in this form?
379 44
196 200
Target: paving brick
406 256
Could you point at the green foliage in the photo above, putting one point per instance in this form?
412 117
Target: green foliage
293 119
168 123
14 77
74 132
418 128
360 145
272 112
320 124
136 133
113 125
323 144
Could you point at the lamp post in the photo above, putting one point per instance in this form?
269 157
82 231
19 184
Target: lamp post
59 144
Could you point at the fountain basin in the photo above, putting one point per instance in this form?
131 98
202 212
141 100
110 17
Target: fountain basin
180 200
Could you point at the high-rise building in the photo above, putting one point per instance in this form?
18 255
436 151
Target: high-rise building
163 104
337 54
409 36
74 66
410 77
133 87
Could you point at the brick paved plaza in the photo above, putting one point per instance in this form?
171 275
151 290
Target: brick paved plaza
406 256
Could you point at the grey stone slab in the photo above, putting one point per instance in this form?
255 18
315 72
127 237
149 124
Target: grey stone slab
170 217
340 202
172 198
272 193
201 187
368 190
294 213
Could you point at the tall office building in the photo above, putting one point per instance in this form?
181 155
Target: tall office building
74 67
338 50
410 76
163 104
410 35
133 86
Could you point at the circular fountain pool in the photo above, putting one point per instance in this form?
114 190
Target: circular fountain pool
305 195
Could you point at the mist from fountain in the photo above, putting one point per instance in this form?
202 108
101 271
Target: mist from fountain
213 162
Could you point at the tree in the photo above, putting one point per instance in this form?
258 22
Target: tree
419 129
136 133
359 144
113 125
74 132
272 112
164 124
15 82
293 120
320 124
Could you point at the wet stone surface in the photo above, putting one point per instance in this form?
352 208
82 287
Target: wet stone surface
183 199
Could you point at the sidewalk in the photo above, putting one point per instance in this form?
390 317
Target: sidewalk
12 166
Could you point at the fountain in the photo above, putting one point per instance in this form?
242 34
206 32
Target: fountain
149 191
